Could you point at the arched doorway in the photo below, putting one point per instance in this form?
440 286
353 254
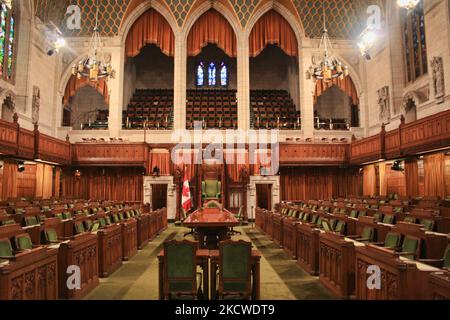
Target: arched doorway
211 73
149 74
274 74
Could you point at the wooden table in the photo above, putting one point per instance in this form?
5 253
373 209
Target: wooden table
202 260
211 225
256 275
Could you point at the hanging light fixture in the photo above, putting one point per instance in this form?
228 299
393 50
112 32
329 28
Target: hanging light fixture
408 4
94 66
329 67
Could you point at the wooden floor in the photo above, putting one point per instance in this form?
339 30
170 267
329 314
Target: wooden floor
281 279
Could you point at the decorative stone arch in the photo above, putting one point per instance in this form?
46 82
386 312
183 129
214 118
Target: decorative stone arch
138 12
297 27
219 7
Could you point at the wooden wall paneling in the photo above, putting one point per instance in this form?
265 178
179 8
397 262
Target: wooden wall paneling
52 149
9 183
26 144
110 153
310 154
26 181
9 133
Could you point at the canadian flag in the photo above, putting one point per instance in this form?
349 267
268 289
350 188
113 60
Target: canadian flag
186 195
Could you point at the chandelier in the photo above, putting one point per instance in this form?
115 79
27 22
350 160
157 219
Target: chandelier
94 66
408 4
329 67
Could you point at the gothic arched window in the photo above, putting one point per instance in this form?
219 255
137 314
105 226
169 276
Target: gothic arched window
223 75
212 74
416 62
7 39
200 76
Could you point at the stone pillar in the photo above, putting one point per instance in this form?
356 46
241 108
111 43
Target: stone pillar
115 87
307 95
179 86
243 83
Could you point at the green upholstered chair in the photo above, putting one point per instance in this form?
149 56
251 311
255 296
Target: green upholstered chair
440 263
392 240
362 213
326 225
88 224
51 236
354 214
235 269
79 227
108 220
340 227
59 216
31 221
378 216
180 276
121 216
211 189
428 224
388 219
67 215
102 222
23 242
410 219
398 209
446 263
410 248
314 219
116 218
6 250
367 235
8 222
239 217
305 217
128 214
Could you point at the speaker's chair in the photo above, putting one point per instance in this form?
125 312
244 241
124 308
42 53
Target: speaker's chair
211 190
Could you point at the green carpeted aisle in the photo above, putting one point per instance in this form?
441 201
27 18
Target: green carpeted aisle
281 278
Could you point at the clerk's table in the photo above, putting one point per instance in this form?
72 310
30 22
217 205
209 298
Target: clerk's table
211 225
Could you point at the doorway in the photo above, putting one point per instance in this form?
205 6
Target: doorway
264 196
159 196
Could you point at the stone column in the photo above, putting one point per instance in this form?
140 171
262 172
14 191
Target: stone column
307 87
179 86
243 83
115 87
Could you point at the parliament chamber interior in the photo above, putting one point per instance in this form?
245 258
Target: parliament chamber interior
215 150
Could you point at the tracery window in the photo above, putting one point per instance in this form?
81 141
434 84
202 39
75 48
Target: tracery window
415 43
212 74
7 41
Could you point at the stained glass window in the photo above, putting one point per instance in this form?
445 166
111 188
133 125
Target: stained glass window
7 38
200 76
415 43
212 74
223 75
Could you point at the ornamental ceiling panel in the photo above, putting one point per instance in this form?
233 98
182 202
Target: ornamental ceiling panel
180 9
244 9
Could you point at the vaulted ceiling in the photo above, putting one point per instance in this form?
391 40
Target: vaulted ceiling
346 18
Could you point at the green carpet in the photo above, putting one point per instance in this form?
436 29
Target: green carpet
281 278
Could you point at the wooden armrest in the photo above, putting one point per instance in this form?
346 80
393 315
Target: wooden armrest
354 237
7 258
405 253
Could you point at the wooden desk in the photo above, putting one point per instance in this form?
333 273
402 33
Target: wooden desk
256 275
212 226
109 249
202 257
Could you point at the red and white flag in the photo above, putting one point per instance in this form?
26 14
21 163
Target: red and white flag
186 195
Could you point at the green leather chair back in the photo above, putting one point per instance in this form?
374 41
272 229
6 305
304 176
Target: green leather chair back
354 214
305 217
31 221
319 221
410 219
447 258
332 223
362 213
410 245
67 215
180 267
211 189
8 222
340 227
59 216
235 263
116 218
326 226
51 236
23 242
5 248
388 219
88 225
368 234
428 224
314 219
121 217
79 228
128 214
392 240
398 209
378 216
108 220
102 222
